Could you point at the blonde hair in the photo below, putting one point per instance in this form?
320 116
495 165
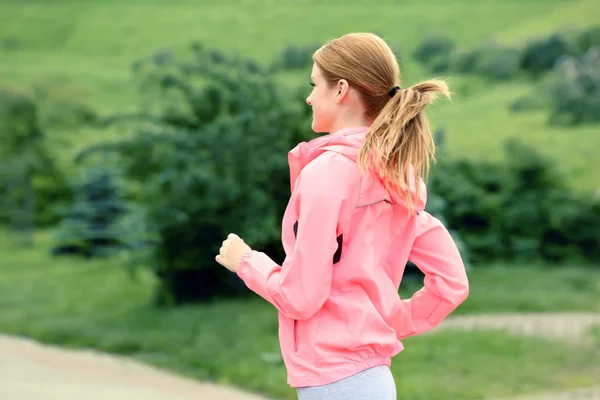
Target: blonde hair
399 146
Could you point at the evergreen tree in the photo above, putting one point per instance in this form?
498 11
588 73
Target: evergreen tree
91 226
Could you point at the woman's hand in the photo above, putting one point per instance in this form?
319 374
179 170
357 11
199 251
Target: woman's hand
231 251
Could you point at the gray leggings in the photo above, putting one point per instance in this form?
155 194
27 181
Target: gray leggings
375 383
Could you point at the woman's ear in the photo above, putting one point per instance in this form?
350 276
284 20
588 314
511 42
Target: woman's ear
342 90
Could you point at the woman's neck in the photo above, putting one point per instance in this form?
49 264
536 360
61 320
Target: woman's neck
349 122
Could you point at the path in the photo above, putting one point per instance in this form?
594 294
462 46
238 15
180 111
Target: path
32 371
578 394
569 326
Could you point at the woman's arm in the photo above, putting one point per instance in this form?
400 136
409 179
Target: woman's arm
299 287
446 285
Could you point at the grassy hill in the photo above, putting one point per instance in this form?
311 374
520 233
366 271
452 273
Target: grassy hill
83 50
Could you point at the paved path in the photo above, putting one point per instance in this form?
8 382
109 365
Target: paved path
32 371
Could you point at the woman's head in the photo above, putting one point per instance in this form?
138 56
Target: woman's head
354 78
362 61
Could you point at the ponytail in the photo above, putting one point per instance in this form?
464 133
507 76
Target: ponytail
399 145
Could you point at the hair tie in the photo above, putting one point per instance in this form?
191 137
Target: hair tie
394 90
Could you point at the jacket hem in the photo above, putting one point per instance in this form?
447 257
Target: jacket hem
347 370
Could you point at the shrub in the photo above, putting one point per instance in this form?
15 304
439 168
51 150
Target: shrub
295 58
574 89
501 62
465 61
492 60
210 159
588 39
434 47
30 183
66 113
90 226
497 62
540 55
517 210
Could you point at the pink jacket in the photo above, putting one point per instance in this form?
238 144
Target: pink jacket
347 241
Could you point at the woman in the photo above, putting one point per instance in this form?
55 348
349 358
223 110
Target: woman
355 217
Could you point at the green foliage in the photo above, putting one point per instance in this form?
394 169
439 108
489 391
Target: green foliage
540 55
518 210
19 125
438 207
67 114
587 39
434 47
501 62
91 225
498 62
571 91
31 187
295 58
492 60
211 158
574 90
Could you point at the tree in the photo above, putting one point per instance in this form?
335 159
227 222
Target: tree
209 154
25 156
575 90
90 226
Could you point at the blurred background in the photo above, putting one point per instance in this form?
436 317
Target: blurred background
135 135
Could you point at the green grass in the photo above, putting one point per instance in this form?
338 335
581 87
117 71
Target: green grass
71 303
83 49
595 334
532 289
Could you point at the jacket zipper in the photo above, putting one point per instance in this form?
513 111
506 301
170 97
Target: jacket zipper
295 335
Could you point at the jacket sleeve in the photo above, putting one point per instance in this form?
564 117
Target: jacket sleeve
445 285
299 287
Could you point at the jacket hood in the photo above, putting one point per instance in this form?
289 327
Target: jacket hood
348 143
